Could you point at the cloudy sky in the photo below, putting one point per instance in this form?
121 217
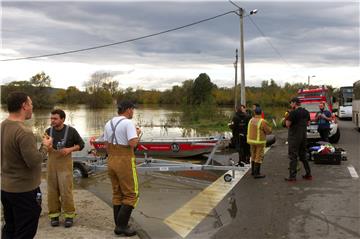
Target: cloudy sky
285 41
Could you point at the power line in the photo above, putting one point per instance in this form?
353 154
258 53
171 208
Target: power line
120 42
269 42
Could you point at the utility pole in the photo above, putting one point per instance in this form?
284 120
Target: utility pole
242 62
235 88
309 80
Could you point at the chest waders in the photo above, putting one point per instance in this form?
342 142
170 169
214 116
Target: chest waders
124 181
60 182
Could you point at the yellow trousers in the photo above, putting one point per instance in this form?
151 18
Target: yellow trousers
60 185
123 175
257 152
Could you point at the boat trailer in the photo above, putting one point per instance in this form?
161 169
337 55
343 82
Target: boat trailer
149 164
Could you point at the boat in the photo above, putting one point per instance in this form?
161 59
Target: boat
177 147
170 147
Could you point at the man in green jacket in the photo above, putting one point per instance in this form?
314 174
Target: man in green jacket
20 170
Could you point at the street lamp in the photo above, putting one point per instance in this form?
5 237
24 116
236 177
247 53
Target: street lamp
309 79
242 62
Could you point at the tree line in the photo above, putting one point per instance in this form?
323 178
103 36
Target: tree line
102 90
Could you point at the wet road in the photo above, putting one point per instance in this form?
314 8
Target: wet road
327 207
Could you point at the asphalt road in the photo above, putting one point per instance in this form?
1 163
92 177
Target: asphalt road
270 208
326 207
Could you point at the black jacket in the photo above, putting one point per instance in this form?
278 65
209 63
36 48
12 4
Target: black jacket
240 123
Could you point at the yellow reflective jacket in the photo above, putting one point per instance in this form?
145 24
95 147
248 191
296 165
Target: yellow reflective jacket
258 128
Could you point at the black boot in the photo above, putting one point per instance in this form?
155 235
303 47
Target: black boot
116 209
252 168
122 220
306 166
292 171
257 171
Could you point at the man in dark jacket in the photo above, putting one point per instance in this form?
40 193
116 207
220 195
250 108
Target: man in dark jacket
297 122
240 124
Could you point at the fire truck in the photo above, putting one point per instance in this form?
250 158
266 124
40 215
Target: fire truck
310 100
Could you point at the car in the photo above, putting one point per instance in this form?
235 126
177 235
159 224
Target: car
312 129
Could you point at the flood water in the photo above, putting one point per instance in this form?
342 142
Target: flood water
154 121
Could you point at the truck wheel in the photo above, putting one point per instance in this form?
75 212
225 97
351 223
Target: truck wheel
79 171
336 137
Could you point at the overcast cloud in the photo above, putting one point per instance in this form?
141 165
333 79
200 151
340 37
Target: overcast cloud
301 39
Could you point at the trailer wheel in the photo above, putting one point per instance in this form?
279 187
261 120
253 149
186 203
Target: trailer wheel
227 178
79 171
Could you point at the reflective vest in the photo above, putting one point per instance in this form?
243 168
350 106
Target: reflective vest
254 133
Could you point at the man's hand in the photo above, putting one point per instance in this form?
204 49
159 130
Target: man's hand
65 151
47 141
138 130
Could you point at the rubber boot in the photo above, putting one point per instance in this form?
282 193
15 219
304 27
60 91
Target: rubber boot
252 168
257 171
122 220
116 209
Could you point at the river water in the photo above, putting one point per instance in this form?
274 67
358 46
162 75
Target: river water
154 121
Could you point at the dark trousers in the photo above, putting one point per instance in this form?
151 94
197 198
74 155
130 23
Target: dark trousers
243 148
324 134
21 214
297 149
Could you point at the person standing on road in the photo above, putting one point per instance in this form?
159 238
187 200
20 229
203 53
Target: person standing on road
60 168
297 122
323 118
122 137
20 170
256 105
258 128
240 123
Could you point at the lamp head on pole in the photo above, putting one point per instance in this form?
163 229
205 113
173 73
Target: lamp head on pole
309 79
252 12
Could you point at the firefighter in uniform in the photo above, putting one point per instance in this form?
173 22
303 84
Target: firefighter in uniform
60 168
239 130
122 137
297 122
258 128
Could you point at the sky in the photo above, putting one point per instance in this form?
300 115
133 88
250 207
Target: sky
285 41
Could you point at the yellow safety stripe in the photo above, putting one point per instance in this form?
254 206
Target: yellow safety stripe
257 141
135 177
52 215
248 130
69 215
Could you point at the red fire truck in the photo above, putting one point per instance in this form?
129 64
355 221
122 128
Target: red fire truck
310 99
